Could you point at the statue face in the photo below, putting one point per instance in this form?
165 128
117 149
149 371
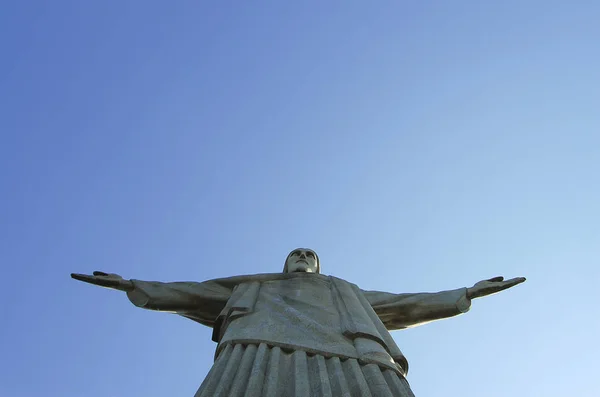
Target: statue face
302 260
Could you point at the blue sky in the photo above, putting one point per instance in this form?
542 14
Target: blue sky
416 147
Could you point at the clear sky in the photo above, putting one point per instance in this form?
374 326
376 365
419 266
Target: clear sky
416 146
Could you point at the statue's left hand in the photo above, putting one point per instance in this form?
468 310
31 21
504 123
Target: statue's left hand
106 280
492 286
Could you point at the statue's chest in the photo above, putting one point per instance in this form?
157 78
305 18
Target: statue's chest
306 293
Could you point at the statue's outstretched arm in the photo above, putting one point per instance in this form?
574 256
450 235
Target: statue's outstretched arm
399 311
200 301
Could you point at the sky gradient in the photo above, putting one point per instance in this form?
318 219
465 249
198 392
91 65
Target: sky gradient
416 147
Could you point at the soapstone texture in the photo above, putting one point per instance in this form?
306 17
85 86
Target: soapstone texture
300 333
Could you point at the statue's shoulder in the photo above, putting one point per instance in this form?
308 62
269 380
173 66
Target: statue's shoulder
266 277
341 283
246 278
249 278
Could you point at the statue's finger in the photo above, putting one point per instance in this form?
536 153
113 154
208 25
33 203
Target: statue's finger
83 277
100 281
510 283
514 281
496 279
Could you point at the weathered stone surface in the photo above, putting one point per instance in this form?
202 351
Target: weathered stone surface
300 332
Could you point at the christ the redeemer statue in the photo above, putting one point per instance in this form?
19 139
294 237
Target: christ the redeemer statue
300 333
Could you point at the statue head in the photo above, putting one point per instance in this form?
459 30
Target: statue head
302 260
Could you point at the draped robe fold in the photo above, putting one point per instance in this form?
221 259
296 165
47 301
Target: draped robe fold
313 314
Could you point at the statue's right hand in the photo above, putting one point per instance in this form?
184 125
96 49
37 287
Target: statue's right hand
107 280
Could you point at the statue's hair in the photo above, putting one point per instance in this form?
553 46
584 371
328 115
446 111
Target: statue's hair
285 267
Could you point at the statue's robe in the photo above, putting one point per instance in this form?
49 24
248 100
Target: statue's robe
300 334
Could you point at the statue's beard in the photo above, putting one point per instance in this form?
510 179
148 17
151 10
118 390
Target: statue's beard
299 268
